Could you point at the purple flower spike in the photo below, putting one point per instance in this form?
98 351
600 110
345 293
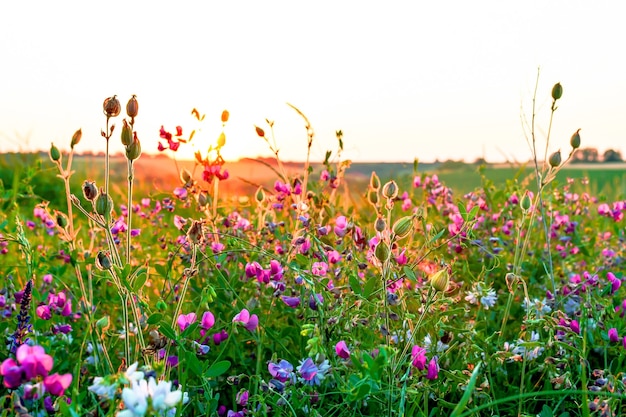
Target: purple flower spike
342 350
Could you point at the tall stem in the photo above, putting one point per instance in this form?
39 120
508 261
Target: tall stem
131 174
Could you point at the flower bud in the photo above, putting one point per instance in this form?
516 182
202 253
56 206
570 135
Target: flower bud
225 116
440 280
557 91
555 159
203 199
76 138
185 176
104 204
259 196
132 107
575 140
221 140
127 133
111 107
390 190
525 202
380 225
103 261
403 226
374 181
259 131
382 252
133 151
55 154
61 219
90 191
372 197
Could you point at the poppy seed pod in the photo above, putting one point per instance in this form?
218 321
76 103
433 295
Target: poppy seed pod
132 107
104 204
76 138
111 107
390 190
403 226
374 181
575 140
382 252
380 225
372 197
557 91
90 191
555 159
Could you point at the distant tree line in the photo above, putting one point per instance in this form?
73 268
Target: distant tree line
586 155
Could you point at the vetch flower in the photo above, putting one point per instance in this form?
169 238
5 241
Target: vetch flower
418 355
34 361
11 373
292 302
250 322
433 369
282 370
185 320
613 336
342 350
207 321
56 384
311 373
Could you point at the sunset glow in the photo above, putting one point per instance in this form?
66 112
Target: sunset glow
446 80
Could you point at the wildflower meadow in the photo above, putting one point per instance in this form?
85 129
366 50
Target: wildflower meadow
309 297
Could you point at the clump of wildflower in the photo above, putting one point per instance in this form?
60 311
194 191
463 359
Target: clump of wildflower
482 295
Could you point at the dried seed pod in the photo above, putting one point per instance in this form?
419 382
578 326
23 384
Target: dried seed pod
111 107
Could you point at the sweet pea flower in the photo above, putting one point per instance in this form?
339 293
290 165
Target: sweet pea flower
418 355
250 322
242 398
342 350
43 312
34 361
56 384
575 326
11 373
185 320
207 321
282 370
341 226
613 336
433 369
292 302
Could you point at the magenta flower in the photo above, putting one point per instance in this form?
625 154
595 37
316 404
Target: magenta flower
319 268
575 326
242 398
185 320
616 283
43 312
11 373
56 384
341 226
250 322
34 361
207 321
613 336
433 369
342 350
418 355
220 337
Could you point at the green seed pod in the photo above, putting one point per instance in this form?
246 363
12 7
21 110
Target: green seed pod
402 227
203 199
575 140
380 225
557 91
90 191
132 107
103 261
76 138
372 197
133 151
185 176
259 196
525 202
390 190
382 251
440 280
374 181
104 204
555 159
55 154
61 219
127 133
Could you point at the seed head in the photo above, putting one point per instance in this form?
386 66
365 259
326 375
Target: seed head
55 154
575 140
76 138
390 190
557 91
440 280
111 107
132 107
555 159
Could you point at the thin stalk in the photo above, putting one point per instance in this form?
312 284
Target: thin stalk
131 175
186 278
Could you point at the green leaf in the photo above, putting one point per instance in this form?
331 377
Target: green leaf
139 277
193 364
155 318
370 286
161 270
468 391
217 369
167 331
355 284
410 274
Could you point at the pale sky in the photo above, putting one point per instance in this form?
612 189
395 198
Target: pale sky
436 79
